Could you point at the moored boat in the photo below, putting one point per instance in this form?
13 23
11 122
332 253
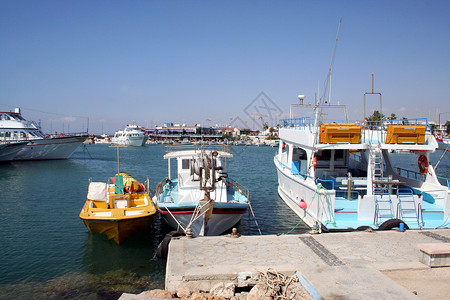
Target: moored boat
200 199
132 135
14 128
340 174
118 207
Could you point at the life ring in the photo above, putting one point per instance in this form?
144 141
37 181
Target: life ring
283 146
423 164
315 162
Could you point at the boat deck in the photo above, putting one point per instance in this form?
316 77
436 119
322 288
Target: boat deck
346 216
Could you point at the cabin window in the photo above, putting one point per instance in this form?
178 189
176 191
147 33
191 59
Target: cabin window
185 164
299 154
339 154
323 155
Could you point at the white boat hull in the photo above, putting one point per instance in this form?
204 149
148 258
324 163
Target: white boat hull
53 148
130 141
291 192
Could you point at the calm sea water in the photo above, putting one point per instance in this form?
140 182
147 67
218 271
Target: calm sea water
47 252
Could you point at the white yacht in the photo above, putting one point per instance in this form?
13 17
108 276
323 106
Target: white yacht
14 128
340 175
132 135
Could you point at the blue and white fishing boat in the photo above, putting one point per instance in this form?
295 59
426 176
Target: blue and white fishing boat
339 174
200 199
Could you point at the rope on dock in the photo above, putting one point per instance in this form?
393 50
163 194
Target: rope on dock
276 283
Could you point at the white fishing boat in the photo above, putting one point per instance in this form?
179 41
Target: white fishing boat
132 135
14 128
200 199
339 174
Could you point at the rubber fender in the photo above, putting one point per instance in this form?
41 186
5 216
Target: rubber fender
163 247
363 228
391 223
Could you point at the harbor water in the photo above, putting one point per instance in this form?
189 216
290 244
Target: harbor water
47 252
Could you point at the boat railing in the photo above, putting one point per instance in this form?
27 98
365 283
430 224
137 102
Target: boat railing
239 188
408 173
197 147
371 131
81 133
445 180
159 189
326 183
420 215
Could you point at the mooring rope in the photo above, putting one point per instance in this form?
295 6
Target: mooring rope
275 281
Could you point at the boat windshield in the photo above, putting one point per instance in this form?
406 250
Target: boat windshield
11 117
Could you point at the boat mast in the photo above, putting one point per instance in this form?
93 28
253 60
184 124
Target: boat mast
318 105
328 80
318 108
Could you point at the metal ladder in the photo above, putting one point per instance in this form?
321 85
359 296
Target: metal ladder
377 164
383 205
407 205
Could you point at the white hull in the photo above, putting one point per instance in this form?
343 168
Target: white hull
217 224
53 148
291 192
129 141
9 151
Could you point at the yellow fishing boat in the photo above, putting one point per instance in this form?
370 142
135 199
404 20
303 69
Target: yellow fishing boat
118 208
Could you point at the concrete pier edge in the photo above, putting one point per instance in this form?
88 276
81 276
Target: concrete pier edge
351 265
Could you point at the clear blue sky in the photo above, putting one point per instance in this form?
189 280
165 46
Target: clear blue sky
195 61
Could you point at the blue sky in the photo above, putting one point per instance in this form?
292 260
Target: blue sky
204 62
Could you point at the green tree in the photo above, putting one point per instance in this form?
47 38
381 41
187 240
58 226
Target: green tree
392 117
376 116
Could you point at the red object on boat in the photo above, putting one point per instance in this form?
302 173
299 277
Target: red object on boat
302 204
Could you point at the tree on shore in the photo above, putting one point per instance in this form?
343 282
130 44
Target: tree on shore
376 116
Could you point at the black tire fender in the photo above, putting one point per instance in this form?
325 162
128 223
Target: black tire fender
363 228
163 247
391 223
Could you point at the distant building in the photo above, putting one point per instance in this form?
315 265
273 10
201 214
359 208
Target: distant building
171 131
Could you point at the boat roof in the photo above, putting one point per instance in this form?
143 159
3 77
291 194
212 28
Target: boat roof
174 151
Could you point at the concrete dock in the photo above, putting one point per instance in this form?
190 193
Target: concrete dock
353 265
